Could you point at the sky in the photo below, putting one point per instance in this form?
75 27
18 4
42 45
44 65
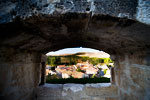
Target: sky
72 51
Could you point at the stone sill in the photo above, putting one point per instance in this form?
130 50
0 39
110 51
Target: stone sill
71 91
98 89
76 87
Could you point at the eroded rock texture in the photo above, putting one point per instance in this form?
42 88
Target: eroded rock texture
44 33
132 76
30 28
133 9
19 75
99 91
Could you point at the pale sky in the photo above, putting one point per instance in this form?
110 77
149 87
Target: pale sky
72 51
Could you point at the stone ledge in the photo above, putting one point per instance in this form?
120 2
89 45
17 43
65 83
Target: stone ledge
98 85
73 87
51 90
101 89
77 91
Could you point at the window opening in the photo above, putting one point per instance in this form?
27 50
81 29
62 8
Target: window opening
78 65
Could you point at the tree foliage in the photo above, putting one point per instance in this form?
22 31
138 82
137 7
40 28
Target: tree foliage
73 59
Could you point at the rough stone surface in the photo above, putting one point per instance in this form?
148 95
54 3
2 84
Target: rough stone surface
142 9
132 78
134 9
101 90
19 78
98 98
43 34
51 90
29 28
111 98
126 39
74 92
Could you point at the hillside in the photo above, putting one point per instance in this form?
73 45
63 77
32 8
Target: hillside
100 54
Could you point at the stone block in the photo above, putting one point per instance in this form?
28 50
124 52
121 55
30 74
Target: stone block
53 98
111 98
73 87
74 91
125 96
98 98
140 74
86 98
101 89
51 90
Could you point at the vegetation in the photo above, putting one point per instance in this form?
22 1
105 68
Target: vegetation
105 71
80 80
73 59
49 76
53 60
79 70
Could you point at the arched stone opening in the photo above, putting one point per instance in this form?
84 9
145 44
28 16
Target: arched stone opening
77 91
69 65
24 41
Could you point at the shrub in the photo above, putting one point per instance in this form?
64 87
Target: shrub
79 81
105 71
73 59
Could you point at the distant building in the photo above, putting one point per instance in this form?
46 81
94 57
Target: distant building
65 75
91 70
76 74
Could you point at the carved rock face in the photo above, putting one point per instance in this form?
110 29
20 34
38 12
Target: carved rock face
44 25
132 9
44 33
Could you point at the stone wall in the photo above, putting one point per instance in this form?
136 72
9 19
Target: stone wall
133 9
133 76
99 91
19 75
143 11
132 81
31 26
